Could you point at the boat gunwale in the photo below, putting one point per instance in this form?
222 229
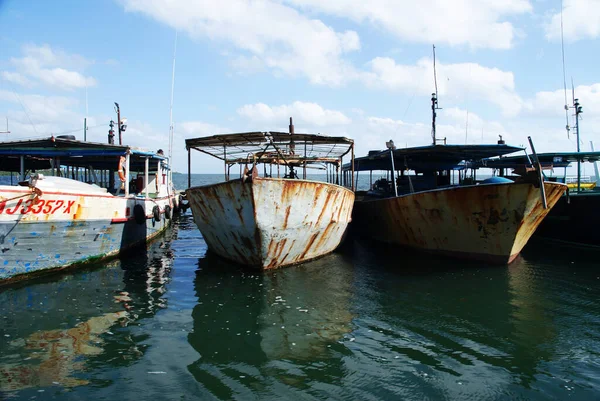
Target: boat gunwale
294 180
454 187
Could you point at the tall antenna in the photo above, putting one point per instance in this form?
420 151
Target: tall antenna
562 42
171 127
434 102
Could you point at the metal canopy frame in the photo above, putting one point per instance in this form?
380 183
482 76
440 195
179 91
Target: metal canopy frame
273 147
40 152
430 158
277 148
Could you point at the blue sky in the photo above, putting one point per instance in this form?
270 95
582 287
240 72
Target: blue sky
354 68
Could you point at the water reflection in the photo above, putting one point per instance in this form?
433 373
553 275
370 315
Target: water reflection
59 329
251 326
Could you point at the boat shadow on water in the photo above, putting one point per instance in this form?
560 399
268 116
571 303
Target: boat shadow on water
81 322
249 325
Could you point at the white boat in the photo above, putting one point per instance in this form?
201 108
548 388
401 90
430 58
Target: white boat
76 211
276 219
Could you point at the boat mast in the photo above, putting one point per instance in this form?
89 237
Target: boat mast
171 127
578 110
434 102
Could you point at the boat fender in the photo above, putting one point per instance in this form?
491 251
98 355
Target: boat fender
139 214
156 213
122 168
180 207
176 204
168 212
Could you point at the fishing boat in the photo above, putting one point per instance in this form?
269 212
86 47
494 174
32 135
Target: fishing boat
431 201
74 202
272 218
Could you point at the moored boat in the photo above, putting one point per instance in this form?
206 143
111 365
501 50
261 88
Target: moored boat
269 221
428 201
73 212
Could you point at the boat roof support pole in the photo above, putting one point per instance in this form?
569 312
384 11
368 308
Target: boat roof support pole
189 168
127 172
304 173
22 169
146 168
393 175
352 162
225 163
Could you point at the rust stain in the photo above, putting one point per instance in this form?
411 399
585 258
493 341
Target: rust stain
239 212
287 216
309 245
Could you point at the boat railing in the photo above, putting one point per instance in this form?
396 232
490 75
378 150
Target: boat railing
573 179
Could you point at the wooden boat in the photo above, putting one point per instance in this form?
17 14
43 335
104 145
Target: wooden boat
575 217
73 213
274 219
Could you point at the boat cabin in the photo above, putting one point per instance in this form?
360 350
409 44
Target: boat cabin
275 154
119 170
416 169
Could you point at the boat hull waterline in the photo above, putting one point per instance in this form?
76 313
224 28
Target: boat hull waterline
271 222
490 222
51 230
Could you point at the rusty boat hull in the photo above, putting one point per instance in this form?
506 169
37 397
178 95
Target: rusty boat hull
271 222
487 222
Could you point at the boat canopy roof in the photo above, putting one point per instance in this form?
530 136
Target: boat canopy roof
430 158
547 160
273 147
39 152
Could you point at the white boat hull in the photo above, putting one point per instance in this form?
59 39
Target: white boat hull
51 228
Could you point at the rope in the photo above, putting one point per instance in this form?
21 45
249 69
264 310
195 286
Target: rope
36 191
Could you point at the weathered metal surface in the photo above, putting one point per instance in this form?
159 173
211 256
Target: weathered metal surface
490 222
271 222
56 228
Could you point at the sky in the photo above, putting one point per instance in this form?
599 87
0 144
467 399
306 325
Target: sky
354 68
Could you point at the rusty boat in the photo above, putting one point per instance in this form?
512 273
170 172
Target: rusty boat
269 216
431 201
65 202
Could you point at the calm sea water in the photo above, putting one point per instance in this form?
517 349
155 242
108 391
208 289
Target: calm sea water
368 322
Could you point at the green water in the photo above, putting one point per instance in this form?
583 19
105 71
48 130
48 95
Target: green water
367 322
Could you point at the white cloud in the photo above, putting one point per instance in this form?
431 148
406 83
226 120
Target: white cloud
271 34
198 128
17 78
476 23
581 20
48 111
54 68
551 103
459 82
305 113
